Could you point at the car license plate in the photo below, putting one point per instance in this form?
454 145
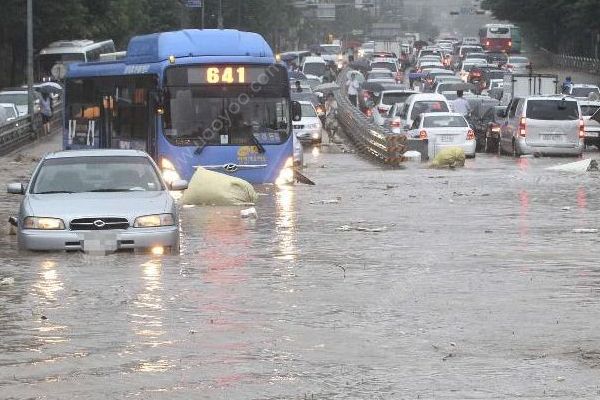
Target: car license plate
446 138
99 242
552 138
298 126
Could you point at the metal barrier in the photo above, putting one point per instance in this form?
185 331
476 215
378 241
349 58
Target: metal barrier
370 139
21 131
588 64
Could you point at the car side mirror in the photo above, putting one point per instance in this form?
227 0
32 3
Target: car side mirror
296 111
178 185
15 188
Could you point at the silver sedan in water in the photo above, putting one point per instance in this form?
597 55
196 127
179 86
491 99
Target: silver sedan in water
97 201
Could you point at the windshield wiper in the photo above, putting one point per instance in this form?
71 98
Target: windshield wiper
108 190
257 143
54 192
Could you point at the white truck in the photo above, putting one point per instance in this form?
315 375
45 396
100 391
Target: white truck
524 85
388 47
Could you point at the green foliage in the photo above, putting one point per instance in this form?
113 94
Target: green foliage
121 19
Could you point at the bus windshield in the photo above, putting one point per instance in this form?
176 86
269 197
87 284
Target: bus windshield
498 32
228 112
192 115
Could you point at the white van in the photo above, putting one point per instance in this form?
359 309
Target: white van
550 125
314 67
420 103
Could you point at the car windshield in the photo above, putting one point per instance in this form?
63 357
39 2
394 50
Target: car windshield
499 31
331 49
14 98
10 111
394 97
589 110
552 110
213 116
96 174
583 91
384 65
308 110
518 60
316 69
421 107
444 121
380 75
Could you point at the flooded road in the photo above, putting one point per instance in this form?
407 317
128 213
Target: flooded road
374 284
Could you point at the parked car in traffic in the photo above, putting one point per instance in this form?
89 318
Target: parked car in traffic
592 127
98 200
420 103
544 125
19 97
8 112
314 67
309 129
518 65
443 130
583 91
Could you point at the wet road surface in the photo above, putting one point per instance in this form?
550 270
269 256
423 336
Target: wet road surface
374 284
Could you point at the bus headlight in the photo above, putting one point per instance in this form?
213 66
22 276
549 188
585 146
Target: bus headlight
286 175
169 172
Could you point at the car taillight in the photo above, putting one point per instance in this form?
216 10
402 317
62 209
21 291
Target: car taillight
523 127
369 113
470 135
487 43
509 66
581 129
423 134
396 123
382 110
495 128
510 43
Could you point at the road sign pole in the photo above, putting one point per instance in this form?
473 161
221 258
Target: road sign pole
30 59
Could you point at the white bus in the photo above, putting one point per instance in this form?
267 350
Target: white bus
68 51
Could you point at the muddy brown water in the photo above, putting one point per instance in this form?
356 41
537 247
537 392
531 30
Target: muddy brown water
374 284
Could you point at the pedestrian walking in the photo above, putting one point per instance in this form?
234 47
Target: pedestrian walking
353 87
46 110
460 104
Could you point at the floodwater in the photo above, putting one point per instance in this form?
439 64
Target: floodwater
440 284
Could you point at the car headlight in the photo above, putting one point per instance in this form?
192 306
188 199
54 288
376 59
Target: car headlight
43 223
286 175
169 172
153 221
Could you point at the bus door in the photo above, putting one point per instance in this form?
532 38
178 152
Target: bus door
132 114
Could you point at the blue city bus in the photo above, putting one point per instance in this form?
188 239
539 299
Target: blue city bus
215 99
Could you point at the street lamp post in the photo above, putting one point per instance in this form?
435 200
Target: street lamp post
30 59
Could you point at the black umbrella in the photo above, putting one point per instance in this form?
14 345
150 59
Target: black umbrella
48 89
373 87
361 65
288 56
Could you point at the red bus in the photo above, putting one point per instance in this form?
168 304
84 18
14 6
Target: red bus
496 37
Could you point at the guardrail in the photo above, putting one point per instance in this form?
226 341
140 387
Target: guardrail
23 130
369 139
588 64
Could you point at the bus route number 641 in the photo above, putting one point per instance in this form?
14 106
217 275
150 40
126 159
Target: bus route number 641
226 75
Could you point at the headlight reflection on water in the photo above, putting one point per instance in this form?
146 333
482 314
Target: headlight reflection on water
286 223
